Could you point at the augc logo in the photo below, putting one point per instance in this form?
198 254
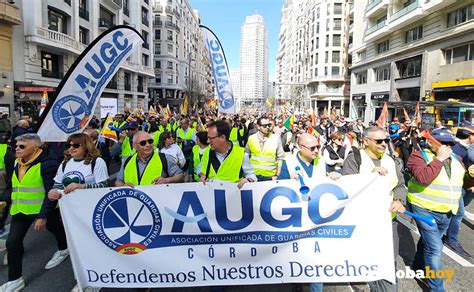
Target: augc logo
127 220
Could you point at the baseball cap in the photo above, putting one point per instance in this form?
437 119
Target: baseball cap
443 135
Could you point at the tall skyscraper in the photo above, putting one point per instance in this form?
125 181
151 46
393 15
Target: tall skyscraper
253 61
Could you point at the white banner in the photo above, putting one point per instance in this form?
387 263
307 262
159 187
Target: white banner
201 235
108 106
220 72
79 91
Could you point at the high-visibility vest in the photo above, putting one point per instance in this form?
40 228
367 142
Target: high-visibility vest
175 126
156 137
153 170
229 169
367 166
116 124
197 160
167 128
319 167
28 194
127 149
264 161
188 136
3 151
443 193
194 125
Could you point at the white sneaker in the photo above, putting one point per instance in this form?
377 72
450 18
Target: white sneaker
13 286
57 258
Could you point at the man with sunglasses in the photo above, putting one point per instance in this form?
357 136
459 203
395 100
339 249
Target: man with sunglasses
434 190
147 166
266 151
375 158
32 178
224 160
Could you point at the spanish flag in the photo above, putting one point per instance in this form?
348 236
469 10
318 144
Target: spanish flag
107 131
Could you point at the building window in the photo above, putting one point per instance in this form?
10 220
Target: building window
337 24
383 46
337 8
106 18
157 64
326 57
126 9
336 40
361 78
327 40
83 35
145 60
317 43
83 13
170 79
334 71
336 56
316 58
382 73
461 15
157 34
170 65
362 55
169 35
68 2
410 67
459 54
50 65
145 36
57 21
170 48
158 49
145 16
158 78
414 34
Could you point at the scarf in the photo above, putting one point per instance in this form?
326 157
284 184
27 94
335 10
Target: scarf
23 166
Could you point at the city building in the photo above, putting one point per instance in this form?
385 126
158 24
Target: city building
9 17
253 61
410 51
235 82
312 61
55 32
182 65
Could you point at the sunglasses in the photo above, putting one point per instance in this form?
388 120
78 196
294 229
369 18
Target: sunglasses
266 125
210 138
21 146
380 141
144 142
312 148
74 145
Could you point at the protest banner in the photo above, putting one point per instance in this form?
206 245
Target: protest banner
202 235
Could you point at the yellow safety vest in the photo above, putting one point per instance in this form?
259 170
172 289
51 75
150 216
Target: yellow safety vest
443 193
229 169
234 138
156 137
167 128
153 170
3 151
264 161
116 125
188 136
28 194
367 166
197 160
127 149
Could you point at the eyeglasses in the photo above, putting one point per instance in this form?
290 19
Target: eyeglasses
266 125
380 141
312 148
74 145
210 138
21 146
144 142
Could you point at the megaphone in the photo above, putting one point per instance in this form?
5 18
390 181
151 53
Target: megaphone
304 189
427 219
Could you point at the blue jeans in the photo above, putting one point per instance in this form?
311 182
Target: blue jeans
316 287
430 246
455 224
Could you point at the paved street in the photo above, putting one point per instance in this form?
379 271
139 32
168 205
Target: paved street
40 246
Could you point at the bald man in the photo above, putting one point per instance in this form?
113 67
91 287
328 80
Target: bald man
147 166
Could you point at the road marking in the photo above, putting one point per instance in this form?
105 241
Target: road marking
454 256
469 216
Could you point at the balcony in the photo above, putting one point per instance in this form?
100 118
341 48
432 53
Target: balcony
157 23
57 40
168 9
9 13
128 87
376 7
169 24
406 15
134 67
379 30
105 23
83 13
116 3
157 8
